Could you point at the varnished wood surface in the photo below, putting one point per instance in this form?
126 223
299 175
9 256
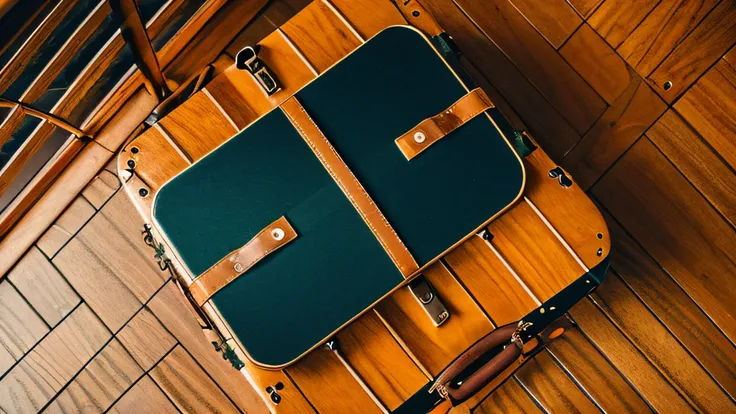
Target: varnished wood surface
585 77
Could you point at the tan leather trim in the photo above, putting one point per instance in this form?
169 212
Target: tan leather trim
349 185
419 17
273 237
437 127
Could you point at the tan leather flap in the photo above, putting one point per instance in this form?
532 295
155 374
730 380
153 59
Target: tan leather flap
273 237
437 127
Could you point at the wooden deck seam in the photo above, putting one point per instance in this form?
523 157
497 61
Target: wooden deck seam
29 304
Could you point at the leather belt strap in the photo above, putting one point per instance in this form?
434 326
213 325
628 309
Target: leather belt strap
273 237
349 185
437 127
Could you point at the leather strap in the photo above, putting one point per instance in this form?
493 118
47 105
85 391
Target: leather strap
273 237
349 185
419 17
437 127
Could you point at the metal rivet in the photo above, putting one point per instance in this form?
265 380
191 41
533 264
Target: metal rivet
134 150
415 13
143 192
599 252
238 267
600 236
541 310
419 137
667 85
277 234
131 164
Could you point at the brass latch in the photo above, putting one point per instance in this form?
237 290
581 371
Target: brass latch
426 295
247 59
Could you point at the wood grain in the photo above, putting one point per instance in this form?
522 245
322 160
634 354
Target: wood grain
435 347
320 35
53 362
617 129
101 188
146 339
676 225
44 288
697 161
78 212
661 31
510 397
144 398
537 60
556 20
616 19
697 52
156 159
10 124
709 107
24 153
543 121
369 17
647 380
596 375
549 385
585 7
21 326
683 318
597 63
171 310
100 383
190 389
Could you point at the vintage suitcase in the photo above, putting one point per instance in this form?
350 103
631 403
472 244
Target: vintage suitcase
317 210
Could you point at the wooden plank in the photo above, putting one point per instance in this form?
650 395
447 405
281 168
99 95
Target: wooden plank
379 360
650 383
616 19
676 225
188 387
329 386
44 288
597 63
273 15
11 123
537 60
683 318
585 7
705 169
144 398
709 107
549 385
490 283
146 339
619 127
66 226
53 362
713 37
596 375
66 53
320 35
564 206
533 252
369 17
101 188
544 122
13 69
23 155
434 348
556 20
199 126
100 383
172 311
21 326
156 159
660 347
661 31
510 397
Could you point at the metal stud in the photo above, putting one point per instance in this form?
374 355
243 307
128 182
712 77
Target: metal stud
238 267
277 234
419 137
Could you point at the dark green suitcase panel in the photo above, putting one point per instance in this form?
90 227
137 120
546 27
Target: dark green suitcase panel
292 299
380 92
335 269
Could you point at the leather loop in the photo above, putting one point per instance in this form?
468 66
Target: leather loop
419 17
437 127
350 186
273 237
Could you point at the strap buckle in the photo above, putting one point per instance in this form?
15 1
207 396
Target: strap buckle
247 59
426 295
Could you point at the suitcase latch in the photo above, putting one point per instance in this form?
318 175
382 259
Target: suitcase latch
247 59
426 295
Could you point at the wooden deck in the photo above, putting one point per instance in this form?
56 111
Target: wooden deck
89 323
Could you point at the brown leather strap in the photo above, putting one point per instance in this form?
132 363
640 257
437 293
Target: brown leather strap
437 127
419 17
273 237
349 185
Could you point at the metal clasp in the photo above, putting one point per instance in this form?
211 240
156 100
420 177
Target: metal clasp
247 59
426 295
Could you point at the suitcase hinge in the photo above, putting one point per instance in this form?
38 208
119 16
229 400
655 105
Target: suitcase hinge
247 59
426 295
